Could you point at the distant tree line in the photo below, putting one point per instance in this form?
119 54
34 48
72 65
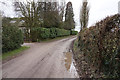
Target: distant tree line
41 20
45 14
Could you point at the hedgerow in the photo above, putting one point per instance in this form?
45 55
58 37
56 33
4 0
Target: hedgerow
45 33
12 38
100 45
62 32
73 32
53 32
38 33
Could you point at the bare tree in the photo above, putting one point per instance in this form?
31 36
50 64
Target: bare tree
53 14
30 13
84 14
36 14
62 9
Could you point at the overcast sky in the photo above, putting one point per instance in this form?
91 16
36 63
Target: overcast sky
99 9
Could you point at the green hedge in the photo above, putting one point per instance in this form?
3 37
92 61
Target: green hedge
100 45
53 32
45 33
74 32
12 38
38 34
62 32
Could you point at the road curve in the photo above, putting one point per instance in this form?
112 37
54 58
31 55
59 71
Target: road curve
42 60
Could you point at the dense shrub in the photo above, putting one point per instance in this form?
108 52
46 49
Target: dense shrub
62 32
53 32
45 33
38 34
100 45
12 38
73 32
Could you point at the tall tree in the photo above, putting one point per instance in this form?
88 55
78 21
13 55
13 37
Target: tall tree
36 14
51 14
62 9
84 14
30 13
62 13
69 20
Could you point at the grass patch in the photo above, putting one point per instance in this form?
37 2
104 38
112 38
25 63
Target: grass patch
14 52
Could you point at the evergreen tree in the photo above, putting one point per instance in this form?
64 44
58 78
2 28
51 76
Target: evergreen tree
69 20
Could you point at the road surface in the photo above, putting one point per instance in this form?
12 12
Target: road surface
42 60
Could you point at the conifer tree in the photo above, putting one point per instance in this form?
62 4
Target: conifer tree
69 20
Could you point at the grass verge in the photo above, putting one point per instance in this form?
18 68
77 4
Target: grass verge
13 53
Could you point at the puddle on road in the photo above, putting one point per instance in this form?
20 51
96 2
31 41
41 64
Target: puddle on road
68 60
69 64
